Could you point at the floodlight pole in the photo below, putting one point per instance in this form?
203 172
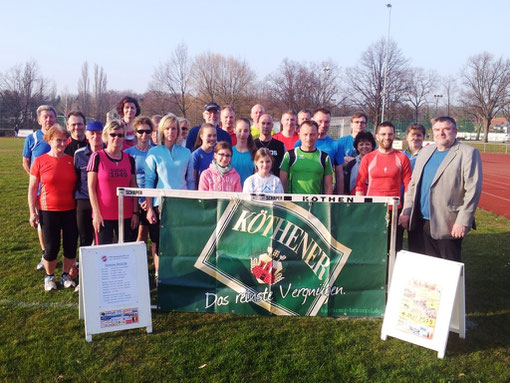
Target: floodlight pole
437 97
385 91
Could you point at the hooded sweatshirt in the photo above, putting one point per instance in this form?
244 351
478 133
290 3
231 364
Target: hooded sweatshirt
212 179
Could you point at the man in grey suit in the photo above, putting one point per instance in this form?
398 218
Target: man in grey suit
443 194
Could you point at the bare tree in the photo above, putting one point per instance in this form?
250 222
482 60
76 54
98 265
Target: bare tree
66 101
296 85
173 79
235 78
224 80
22 89
450 90
84 90
100 99
366 79
205 77
419 86
486 83
288 85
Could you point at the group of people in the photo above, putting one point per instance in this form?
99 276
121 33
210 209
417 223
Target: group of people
75 171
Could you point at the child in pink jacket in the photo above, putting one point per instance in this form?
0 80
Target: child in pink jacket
221 176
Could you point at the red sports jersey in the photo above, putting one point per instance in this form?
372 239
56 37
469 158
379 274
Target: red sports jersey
57 178
287 141
386 173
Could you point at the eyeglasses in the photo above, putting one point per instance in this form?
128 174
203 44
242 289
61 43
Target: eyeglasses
141 131
184 129
224 155
120 135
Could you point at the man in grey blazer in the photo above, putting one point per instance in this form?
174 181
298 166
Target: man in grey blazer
443 194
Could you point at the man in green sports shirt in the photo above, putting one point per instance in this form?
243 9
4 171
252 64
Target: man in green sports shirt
306 169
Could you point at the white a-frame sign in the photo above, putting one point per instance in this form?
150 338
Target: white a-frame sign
425 301
114 288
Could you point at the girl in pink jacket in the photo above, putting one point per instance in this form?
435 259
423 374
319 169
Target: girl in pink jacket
221 176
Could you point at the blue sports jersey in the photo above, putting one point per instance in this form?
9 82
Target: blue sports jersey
35 146
347 145
330 146
243 164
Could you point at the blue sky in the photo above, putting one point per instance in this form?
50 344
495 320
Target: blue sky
130 38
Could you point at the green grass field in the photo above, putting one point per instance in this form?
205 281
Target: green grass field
42 339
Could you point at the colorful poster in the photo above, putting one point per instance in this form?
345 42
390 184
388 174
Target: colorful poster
273 257
418 308
119 317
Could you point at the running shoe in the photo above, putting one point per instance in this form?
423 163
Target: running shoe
40 265
67 281
49 283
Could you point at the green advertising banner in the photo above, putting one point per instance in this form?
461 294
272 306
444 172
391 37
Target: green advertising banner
273 257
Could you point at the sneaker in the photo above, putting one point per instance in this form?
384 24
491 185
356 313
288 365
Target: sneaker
49 283
40 265
77 288
67 281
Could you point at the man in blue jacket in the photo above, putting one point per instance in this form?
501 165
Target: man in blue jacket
211 115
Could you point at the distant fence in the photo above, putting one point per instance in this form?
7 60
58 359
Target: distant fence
490 147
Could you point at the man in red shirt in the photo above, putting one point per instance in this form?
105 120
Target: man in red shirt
385 170
228 122
288 134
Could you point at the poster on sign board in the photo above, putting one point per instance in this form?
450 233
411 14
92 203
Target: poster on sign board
114 288
425 301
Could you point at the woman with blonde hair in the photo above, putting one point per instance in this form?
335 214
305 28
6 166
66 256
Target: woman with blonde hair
56 207
167 166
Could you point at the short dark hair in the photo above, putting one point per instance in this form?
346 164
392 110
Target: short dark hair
321 110
364 135
416 126
229 108
307 111
385 124
449 119
289 111
124 101
77 113
310 123
222 145
358 115
141 121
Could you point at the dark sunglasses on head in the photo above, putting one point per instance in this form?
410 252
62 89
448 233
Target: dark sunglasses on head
120 135
141 131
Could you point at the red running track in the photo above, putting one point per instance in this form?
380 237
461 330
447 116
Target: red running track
496 183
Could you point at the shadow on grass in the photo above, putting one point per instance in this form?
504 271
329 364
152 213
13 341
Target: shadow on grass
485 332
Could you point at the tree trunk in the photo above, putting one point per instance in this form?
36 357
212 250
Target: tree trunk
486 130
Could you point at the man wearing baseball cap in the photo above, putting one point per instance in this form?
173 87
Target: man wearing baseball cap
93 133
211 115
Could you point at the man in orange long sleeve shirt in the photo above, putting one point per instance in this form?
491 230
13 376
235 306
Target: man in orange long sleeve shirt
385 170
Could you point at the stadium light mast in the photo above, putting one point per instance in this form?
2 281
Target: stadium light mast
385 91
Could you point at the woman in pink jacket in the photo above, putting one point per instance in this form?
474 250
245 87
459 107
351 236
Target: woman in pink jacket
221 176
